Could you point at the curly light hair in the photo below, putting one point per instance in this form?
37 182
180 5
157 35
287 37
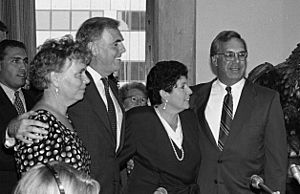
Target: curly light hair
51 57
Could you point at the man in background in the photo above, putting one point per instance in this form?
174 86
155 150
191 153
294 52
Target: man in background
133 94
244 132
14 101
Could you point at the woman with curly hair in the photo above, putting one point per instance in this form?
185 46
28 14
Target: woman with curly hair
163 138
59 70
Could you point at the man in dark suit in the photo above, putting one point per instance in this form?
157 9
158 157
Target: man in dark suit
13 73
102 136
255 137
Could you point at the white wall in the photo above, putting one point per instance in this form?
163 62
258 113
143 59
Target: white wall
271 29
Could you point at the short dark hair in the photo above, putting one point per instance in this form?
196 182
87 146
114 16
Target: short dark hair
163 76
3 27
92 29
123 91
52 56
222 37
9 43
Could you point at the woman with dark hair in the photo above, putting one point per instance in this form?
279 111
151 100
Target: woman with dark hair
163 138
59 70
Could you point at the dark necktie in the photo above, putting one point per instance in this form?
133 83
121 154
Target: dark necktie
111 108
226 119
18 104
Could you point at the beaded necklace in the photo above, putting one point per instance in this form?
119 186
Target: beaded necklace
171 141
175 152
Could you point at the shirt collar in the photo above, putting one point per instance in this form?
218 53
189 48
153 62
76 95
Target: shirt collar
95 75
235 87
10 92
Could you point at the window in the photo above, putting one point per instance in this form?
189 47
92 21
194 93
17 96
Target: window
55 18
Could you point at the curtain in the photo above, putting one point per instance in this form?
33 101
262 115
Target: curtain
19 17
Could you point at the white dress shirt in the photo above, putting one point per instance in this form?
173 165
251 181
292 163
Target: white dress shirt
213 110
100 87
176 135
11 95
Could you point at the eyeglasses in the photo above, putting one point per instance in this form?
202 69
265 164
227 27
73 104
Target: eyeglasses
230 56
136 99
56 177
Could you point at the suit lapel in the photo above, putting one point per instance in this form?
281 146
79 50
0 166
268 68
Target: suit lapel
98 105
244 109
114 89
202 96
6 104
243 112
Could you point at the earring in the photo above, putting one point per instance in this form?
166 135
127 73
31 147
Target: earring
165 105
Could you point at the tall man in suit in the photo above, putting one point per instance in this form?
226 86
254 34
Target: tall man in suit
91 115
14 101
255 138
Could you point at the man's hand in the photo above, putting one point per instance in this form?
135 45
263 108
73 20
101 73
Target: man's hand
25 129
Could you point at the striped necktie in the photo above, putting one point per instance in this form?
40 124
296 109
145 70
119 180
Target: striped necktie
18 104
110 108
226 119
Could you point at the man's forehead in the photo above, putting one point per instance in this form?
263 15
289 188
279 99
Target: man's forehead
15 52
135 91
233 45
112 33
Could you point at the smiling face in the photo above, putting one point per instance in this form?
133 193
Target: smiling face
73 80
107 52
230 71
13 68
178 98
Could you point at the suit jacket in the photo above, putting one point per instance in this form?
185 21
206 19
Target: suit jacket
90 119
155 163
8 172
256 143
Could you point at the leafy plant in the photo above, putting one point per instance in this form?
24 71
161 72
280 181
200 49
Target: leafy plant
285 78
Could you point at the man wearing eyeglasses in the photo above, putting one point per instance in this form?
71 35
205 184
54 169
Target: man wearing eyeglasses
243 126
133 94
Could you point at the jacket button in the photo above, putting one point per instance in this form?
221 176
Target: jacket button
215 181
